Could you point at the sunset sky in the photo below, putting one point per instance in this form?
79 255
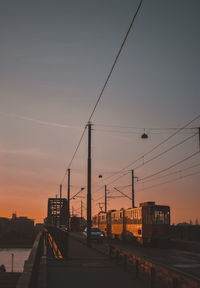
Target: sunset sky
54 59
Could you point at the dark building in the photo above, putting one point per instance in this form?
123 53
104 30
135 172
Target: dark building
21 224
57 212
16 231
4 223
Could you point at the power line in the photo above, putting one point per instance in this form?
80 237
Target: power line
157 178
106 82
169 174
143 128
119 177
169 181
154 148
169 149
116 58
172 166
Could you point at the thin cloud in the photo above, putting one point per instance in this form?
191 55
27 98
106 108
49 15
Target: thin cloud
27 152
46 123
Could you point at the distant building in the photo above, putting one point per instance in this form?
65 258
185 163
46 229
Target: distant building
16 230
4 222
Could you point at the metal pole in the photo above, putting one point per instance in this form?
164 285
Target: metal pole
68 202
56 210
105 199
81 214
133 192
60 202
199 138
89 186
60 191
12 262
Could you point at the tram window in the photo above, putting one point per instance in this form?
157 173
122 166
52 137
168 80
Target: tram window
159 217
167 217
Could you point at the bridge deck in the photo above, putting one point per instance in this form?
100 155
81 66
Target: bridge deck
87 268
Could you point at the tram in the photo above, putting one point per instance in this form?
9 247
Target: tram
146 224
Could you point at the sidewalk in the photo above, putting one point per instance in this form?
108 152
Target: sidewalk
86 267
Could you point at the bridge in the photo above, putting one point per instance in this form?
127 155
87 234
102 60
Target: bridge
60 259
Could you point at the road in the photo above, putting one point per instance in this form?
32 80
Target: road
85 267
183 261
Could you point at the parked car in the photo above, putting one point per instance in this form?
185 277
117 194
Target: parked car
96 234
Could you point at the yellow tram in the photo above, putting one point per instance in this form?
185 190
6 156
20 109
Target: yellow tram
145 223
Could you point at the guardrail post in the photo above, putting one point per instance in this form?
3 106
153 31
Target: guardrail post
174 283
152 277
136 268
125 263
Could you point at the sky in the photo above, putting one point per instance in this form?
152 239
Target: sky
54 60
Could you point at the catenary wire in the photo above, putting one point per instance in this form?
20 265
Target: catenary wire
148 152
105 84
157 178
172 166
169 181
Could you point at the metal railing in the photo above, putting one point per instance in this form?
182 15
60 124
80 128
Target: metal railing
56 241
171 277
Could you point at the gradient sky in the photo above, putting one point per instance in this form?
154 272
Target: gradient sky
54 59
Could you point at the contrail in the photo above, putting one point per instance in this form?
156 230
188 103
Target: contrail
52 124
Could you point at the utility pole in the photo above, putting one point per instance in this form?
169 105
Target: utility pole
60 202
133 192
89 186
133 188
199 138
12 262
81 214
105 199
60 191
56 209
68 202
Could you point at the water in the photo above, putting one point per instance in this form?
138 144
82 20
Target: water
20 255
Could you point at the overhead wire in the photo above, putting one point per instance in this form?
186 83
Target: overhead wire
169 181
148 152
170 167
169 174
106 82
163 176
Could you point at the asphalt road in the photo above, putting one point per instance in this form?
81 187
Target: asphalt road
183 261
86 267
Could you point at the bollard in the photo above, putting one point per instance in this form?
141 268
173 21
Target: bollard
117 257
65 245
125 263
110 251
152 277
174 283
136 268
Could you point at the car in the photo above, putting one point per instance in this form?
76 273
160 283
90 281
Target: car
96 234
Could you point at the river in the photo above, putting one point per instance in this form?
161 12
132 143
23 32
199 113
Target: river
20 255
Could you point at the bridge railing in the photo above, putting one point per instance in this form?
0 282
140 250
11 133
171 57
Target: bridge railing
56 241
171 277
29 277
